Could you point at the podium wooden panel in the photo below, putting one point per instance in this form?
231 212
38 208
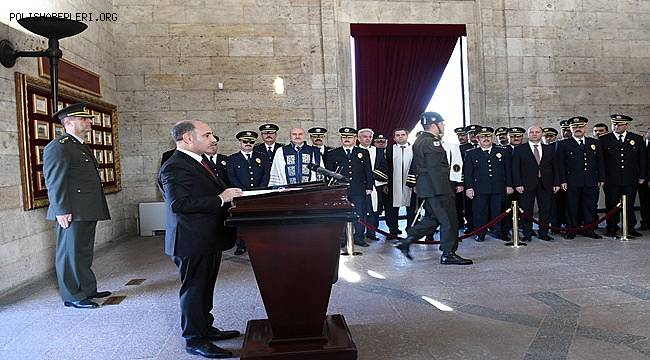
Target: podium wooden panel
293 241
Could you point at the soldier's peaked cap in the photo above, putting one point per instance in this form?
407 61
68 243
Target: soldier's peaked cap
246 135
269 127
78 110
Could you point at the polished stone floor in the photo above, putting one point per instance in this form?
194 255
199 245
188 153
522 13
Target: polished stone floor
568 299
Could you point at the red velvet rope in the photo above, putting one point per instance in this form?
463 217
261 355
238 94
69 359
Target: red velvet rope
571 230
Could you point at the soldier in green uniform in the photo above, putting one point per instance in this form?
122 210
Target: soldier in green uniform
434 187
77 202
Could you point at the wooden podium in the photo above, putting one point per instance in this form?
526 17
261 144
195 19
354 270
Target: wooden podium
293 239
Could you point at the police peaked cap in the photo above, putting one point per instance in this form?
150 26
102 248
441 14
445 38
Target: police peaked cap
550 131
500 130
577 120
620 119
78 110
516 131
430 117
564 124
348 131
317 131
472 128
460 130
246 135
485 130
378 136
269 127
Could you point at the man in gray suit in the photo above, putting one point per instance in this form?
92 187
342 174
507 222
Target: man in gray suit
77 202
434 187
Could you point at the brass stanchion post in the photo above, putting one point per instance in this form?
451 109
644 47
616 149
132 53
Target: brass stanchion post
515 227
624 219
349 229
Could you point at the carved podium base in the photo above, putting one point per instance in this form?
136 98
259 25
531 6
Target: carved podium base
336 344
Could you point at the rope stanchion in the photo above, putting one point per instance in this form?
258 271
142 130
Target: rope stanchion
350 241
486 226
515 227
625 220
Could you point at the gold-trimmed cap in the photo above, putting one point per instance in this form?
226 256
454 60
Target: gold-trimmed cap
516 131
550 132
317 131
348 131
500 131
460 131
269 128
620 119
577 121
472 128
78 110
246 135
564 124
485 131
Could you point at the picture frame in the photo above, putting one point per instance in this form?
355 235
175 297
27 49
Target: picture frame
110 175
102 175
57 130
38 152
106 120
41 130
108 138
108 156
98 137
97 118
88 139
61 106
40 104
40 181
99 155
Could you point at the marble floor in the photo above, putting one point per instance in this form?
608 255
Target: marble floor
568 299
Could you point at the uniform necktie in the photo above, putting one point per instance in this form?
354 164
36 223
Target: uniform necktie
582 143
269 151
248 158
347 153
207 167
487 152
620 138
538 159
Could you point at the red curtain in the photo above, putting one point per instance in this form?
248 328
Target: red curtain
398 67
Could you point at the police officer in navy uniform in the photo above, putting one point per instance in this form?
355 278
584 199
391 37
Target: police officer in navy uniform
470 130
434 187
624 153
550 135
317 136
502 135
581 171
77 202
515 137
268 145
488 179
247 170
565 129
354 163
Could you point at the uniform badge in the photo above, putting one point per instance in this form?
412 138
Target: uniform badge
498 155
456 168
436 143
360 155
631 142
223 162
593 146
258 160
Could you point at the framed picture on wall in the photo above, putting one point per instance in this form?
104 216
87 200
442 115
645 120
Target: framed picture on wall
97 118
98 137
99 156
38 151
40 104
108 138
108 156
107 120
102 174
40 179
88 139
110 176
57 130
61 106
41 130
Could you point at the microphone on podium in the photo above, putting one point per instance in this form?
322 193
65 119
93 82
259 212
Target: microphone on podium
328 173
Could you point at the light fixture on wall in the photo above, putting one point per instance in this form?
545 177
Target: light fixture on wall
53 29
278 85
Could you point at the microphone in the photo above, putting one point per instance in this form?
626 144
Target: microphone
327 172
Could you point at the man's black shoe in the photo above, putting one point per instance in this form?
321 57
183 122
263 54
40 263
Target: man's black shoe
81 304
592 235
100 294
453 259
480 238
215 334
611 233
634 233
405 247
545 237
208 350
361 243
240 251
570 236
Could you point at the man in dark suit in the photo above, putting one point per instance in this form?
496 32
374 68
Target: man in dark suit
77 202
268 145
533 177
581 171
434 187
380 171
354 163
247 170
624 153
195 235
488 179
